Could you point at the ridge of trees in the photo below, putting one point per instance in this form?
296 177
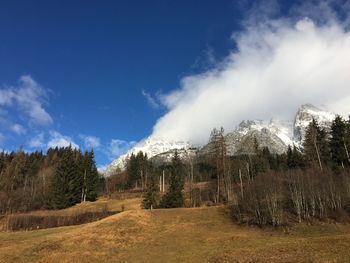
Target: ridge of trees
58 179
311 181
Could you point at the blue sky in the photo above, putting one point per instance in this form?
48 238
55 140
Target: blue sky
93 73
96 59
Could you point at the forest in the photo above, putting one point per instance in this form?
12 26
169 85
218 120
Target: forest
58 179
308 182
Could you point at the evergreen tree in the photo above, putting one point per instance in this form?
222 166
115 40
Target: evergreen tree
150 198
90 177
338 142
66 181
261 159
316 149
142 168
174 198
133 171
294 158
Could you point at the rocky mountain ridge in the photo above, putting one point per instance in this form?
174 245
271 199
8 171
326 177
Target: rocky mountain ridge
274 134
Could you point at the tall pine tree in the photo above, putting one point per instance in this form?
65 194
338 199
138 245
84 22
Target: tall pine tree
316 148
174 198
89 177
66 181
337 143
133 171
294 158
150 197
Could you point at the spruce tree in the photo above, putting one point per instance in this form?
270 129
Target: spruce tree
91 176
174 198
260 159
65 186
338 142
150 197
316 148
133 171
294 158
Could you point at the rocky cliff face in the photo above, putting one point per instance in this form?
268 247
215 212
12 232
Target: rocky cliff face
274 134
305 115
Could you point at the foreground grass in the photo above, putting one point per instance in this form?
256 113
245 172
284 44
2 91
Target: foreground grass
176 235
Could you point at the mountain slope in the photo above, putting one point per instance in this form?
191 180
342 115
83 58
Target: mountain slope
305 115
205 234
151 146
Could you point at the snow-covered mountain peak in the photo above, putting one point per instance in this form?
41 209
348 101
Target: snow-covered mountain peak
151 146
274 134
304 116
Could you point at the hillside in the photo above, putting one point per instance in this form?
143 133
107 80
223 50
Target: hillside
176 235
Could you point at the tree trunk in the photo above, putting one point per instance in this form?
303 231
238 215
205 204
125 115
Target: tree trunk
346 150
240 179
318 154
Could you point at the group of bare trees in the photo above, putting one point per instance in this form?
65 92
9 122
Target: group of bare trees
302 185
220 161
278 198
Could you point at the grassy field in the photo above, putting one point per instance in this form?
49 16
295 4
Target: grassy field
78 214
175 235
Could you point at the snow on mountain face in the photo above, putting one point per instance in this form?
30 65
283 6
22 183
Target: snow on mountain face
151 146
305 115
166 157
274 134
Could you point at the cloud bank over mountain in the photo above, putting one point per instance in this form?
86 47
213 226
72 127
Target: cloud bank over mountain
277 65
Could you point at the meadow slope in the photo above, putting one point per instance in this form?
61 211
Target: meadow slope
176 235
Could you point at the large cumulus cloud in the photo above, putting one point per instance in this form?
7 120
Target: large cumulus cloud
277 66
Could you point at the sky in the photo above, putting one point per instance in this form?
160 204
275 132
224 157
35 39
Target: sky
107 74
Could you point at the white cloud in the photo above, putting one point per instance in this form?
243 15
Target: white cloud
37 141
151 100
118 147
90 141
19 129
278 65
59 140
6 97
29 97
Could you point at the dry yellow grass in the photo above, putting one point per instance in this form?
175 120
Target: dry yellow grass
175 235
97 208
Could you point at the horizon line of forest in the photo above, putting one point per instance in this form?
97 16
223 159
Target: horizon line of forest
260 187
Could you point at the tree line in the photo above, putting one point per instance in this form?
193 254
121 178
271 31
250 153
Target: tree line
58 179
309 181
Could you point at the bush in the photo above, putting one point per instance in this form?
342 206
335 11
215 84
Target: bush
17 222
